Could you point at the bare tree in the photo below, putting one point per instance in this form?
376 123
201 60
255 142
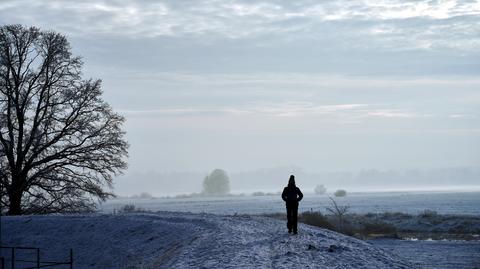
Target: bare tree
339 212
60 142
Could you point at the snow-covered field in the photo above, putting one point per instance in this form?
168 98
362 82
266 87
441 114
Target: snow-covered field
406 202
184 240
433 254
174 238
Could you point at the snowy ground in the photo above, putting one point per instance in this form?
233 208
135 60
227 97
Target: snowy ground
183 240
406 202
432 254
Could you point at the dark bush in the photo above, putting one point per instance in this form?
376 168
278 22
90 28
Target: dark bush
382 228
316 219
428 214
131 208
370 215
400 215
127 208
340 193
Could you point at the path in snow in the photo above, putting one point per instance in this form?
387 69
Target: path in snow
183 240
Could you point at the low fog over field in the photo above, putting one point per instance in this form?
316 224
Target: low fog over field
274 179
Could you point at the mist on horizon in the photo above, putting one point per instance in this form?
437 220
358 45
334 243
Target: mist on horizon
272 180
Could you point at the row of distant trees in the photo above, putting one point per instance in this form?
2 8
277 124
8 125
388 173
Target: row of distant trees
217 183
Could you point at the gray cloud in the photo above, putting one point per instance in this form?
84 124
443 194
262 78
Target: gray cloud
378 24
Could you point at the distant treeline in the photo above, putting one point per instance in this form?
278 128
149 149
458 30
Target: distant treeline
274 179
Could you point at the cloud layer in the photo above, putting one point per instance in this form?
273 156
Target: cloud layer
393 24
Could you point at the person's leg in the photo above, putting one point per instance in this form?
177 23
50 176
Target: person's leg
294 218
289 218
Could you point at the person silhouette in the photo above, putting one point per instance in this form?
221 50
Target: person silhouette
292 195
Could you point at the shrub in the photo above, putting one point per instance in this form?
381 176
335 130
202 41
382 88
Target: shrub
145 195
320 189
370 215
397 215
339 212
130 208
127 208
378 228
428 214
316 219
340 193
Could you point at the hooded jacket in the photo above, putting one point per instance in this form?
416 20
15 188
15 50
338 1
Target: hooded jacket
292 193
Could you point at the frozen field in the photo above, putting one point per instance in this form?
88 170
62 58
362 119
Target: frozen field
424 254
181 240
430 254
444 203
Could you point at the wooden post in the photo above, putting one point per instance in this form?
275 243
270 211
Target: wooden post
13 258
1 220
38 258
71 258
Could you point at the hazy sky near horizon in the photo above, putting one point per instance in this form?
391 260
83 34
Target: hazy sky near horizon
240 85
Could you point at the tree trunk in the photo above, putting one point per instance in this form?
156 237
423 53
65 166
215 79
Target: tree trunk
15 203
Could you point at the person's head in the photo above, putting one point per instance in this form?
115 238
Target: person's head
291 181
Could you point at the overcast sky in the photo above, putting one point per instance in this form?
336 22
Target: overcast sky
240 85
